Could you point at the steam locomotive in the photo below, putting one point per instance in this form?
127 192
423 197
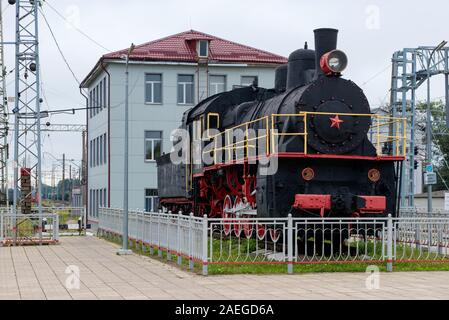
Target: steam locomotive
309 147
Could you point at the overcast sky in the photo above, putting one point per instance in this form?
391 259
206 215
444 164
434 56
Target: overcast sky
370 31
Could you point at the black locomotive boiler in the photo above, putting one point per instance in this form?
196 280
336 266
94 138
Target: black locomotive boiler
309 147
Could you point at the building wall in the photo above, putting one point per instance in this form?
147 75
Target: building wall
97 126
437 204
163 117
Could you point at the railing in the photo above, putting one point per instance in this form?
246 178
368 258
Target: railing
387 134
172 233
70 221
284 241
28 229
69 218
240 141
422 213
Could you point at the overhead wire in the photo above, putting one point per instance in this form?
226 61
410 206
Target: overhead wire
75 27
376 75
59 48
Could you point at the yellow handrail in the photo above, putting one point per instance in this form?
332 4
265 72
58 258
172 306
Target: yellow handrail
379 123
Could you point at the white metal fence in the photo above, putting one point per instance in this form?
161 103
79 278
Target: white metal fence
23 229
288 241
37 229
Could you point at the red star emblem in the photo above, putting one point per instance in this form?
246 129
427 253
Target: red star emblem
335 122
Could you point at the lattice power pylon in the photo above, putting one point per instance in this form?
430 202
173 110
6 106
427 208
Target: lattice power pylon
411 67
27 115
3 123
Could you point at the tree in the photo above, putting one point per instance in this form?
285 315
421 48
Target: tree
440 140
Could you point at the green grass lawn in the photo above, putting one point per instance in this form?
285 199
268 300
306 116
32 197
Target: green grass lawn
243 251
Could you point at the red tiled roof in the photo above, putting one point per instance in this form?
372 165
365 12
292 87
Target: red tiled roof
182 47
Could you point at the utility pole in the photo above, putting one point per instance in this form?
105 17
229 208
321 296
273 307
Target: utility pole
71 184
3 121
27 114
53 181
429 136
63 177
83 173
124 250
429 154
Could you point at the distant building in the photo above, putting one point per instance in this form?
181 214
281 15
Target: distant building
166 77
437 201
77 200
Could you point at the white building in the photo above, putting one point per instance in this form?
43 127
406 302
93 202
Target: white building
438 200
166 77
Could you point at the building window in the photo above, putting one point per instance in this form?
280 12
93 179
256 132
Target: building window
153 145
90 153
91 201
97 149
185 89
90 103
94 151
153 88
104 149
151 200
105 97
101 198
101 150
203 48
104 198
100 90
95 101
248 80
217 84
96 203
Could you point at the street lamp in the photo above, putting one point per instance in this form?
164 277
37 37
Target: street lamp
429 124
124 250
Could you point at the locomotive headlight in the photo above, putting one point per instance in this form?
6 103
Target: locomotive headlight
334 61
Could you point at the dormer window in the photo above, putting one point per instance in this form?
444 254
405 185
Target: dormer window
203 48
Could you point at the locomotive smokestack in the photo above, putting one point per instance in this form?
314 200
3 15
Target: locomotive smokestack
325 41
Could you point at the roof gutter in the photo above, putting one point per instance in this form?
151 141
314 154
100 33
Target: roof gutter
179 63
85 163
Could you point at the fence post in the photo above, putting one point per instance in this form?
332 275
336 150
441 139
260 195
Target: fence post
85 220
159 251
290 243
389 244
168 240
56 227
204 244
190 241
151 234
178 240
144 248
2 221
